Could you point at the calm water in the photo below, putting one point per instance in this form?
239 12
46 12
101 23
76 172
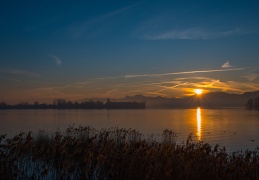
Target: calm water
234 128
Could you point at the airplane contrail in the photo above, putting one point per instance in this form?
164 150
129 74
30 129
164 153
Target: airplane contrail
183 72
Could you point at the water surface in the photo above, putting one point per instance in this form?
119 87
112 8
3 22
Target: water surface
234 128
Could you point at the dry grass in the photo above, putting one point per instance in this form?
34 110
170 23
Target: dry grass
86 153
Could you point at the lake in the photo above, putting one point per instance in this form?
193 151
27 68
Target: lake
234 128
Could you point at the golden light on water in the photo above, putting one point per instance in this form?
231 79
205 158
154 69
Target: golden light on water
198 117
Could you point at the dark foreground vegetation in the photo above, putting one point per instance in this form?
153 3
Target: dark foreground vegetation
87 153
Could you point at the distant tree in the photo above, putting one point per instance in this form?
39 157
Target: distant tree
54 102
3 105
69 105
22 105
256 102
99 105
108 100
250 103
61 101
36 103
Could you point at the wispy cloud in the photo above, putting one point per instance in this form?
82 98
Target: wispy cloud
111 92
10 79
193 33
158 75
118 11
20 72
109 77
226 65
235 86
208 85
182 84
87 26
160 81
183 72
193 78
171 87
250 76
231 86
56 59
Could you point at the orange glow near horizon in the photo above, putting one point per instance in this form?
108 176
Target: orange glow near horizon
198 117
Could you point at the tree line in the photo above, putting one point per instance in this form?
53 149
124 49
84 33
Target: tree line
253 103
57 104
64 104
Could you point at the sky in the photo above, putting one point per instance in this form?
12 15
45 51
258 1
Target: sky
83 49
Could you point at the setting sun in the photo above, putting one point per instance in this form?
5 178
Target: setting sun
198 91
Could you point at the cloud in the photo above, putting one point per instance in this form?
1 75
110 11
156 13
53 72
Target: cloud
112 91
10 79
110 77
158 75
193 78
56 60
184 72
96 23
20 72
193 33
118 11
226 65
172 87
250 76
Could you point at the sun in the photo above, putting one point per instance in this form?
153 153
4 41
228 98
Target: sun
198 91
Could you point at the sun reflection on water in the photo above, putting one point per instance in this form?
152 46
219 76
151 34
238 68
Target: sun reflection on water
198 117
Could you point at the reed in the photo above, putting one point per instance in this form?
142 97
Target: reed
88 153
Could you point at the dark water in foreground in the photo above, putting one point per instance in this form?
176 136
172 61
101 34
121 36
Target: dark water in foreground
234 128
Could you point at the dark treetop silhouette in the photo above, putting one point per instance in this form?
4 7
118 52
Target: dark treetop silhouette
64 104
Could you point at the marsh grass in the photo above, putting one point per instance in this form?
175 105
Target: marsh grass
87 153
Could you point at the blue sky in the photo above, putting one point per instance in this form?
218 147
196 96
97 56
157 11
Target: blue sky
82 49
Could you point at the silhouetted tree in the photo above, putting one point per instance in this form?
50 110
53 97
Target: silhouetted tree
36 103
250 103
3 105
64 104
256 102
61 101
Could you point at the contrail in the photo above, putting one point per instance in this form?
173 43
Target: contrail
111 77
184 72
164 74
